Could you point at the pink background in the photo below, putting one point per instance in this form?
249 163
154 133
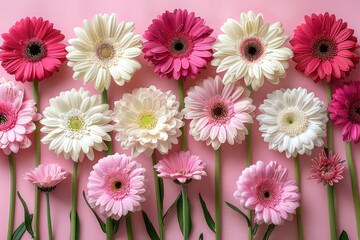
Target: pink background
68 14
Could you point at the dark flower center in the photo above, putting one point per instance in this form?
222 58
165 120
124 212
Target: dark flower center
251 49
35 50
219 111
116 185
3 119
355 111
324 48
266 194
178 46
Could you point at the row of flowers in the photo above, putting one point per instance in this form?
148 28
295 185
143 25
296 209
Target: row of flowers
178 45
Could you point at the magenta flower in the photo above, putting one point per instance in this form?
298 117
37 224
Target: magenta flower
178 44
344 110
32 49
182 167
116 185
266 189
324 47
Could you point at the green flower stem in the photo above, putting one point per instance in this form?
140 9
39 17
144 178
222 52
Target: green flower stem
298 210
12 197
329 123
105 100
74 200
185 209
158 200
331 208
217 194
354 185
184 145
109 229
128 226
48 215
248 164
37 158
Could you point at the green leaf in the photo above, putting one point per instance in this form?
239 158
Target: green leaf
116 224
100 221
240 212
149 227
27 216
77 226
19 232
209 220
179 207
254 229
171 206
269 231
201 237
344 236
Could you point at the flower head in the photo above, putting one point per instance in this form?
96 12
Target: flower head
147 119
17 117
328 168
293 121
253 50
46 177
266 189
344 110
218 112
32 49
116 186
324 47
75 123
178 44
182 167
104 49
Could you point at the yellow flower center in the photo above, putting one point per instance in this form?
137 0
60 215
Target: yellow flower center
75 124
148 121
3 119
293 122
106 51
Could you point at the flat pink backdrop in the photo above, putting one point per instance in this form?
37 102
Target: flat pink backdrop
68 14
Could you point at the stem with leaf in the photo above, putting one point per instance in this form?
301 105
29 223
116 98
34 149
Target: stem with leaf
248 164
181 94
48 214
159 203
12 197
185 209
298 210
217 194
74 201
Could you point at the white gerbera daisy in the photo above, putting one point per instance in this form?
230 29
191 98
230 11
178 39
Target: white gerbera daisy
293 121
252 50
147 119
103 49
75 123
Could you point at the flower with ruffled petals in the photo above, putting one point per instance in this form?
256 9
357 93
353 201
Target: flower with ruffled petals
266 189
75 123
104 49
116 186
218 112
178 44
253 50
32 49
182 167
324 47
344 110
17 117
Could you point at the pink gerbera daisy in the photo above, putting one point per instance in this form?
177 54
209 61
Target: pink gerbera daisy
182 167
32 50
16 117
324 47
328 168
178 44
116 185
344 110
266 189
46 177
218 112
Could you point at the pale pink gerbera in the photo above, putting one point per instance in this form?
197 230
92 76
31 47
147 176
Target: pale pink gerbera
182 167
46 177
344 110
178 44
324 47
218 112
32 49
16 117
328 168
116 185
266 189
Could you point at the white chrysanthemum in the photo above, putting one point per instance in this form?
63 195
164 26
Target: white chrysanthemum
75 123
293 121
253 50
103 49
147 119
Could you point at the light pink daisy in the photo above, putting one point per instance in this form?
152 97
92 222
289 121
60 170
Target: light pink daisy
344 110
16 117
324 47
46 177
182 167
178 44
116 185
266 189
218 112
328 168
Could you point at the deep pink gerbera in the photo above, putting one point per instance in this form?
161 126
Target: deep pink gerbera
31 50
324 48
266 189
178 44
344 110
